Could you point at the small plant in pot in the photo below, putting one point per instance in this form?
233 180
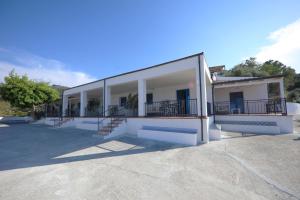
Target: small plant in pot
132 104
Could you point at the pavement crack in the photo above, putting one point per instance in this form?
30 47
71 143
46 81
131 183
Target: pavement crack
261 176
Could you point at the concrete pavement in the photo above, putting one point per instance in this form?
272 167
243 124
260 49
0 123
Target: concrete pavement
39 162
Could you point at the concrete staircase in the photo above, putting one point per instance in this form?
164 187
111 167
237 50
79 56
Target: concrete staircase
57 123
114 127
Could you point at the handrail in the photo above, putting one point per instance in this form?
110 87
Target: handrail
260 106
178 107
110 117
170 100
277 99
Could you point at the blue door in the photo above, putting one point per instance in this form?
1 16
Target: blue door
183 97
236 102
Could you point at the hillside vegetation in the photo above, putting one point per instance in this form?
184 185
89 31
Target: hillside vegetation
252 68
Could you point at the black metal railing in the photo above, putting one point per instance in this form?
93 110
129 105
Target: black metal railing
113 114
172 108
125 110
93 111
53 110
262 106
75 112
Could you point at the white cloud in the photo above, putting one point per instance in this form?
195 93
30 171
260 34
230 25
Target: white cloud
40 69
285 46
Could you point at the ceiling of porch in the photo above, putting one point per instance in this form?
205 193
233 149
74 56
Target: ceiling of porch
183 77
124 87
178 78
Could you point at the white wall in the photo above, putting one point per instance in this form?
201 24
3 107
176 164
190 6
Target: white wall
159 94
169 92
134 124
251 92
293 108
115 98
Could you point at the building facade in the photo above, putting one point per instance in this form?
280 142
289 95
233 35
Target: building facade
177 101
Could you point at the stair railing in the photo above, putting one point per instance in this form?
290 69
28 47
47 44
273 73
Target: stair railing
112 115
62 119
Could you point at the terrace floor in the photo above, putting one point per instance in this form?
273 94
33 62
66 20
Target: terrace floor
40 162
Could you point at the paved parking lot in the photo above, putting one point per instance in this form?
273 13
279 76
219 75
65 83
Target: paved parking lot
39 162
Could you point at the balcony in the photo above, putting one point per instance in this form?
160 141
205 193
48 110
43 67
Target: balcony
251 107
172 108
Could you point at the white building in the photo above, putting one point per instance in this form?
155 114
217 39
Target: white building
175 101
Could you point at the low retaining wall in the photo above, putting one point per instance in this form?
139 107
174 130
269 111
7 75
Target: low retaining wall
293 108
133 125
15 120
136 124
285 123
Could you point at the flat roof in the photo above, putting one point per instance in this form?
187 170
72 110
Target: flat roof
247 80
153 66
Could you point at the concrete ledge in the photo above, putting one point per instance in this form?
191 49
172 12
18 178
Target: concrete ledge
15 120
251 128
167 136
171 129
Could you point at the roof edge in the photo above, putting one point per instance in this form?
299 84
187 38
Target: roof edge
141 69
249 79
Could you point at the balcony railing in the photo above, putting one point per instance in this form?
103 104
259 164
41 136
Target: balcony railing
125 111
262 106
93 111
75 112
172 108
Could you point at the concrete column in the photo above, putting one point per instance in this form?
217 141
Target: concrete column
203 86
202 97
281 86
198 95
142 96
64 105
102 109
107 97
83 103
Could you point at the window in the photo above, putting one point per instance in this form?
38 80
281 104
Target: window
149 98
123 101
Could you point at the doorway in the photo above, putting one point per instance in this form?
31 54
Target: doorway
183 97
236 102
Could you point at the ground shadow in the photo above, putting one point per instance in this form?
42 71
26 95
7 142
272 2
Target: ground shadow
23 146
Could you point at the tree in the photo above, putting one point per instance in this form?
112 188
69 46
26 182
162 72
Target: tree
24 93
249 68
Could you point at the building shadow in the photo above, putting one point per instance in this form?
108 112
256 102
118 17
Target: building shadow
23 146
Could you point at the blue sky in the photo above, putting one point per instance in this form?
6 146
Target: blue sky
73 42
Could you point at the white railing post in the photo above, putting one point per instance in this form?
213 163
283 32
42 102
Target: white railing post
281 86
64 105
